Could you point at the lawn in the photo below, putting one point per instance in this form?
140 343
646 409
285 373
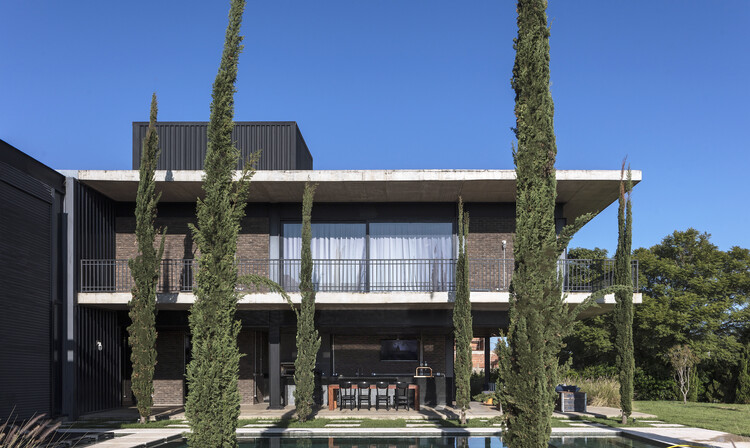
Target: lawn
731 418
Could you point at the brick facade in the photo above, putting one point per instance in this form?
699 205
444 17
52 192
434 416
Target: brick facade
485 242
362 352
252 243
169 378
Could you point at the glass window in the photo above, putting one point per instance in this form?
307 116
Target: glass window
411 256
339 252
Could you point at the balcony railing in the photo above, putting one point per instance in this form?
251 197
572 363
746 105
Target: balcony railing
178 275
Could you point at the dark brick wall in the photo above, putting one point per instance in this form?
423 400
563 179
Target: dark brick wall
485 241
169 380
362 352
252 242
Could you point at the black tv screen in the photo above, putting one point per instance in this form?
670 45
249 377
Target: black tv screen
399 350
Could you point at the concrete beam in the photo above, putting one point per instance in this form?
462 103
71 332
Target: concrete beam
582 191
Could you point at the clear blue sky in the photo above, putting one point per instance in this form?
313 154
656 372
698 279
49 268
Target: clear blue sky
407 84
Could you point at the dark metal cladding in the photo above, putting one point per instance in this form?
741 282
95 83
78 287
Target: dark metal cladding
30 204
183 144
99 347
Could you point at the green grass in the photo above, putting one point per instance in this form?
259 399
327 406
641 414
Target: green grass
731 418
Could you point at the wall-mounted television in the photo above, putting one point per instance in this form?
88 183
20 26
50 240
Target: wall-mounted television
399 350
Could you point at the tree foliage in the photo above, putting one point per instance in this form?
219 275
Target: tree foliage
462 322
623 313
692 293
213 402
536 309
743 377
145 271
308 340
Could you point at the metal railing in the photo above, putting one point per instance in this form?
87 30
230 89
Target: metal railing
492 275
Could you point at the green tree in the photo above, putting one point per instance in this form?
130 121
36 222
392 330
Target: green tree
693 293
213 402
591 341
743 377
308 340
462 323
623 313
145 271
538 317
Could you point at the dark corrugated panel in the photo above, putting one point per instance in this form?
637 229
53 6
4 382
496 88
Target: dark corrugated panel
25 295
99 376
183 145
94 229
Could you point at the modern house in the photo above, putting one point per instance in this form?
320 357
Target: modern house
384 244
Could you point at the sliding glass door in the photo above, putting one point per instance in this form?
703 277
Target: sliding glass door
339 252
411 256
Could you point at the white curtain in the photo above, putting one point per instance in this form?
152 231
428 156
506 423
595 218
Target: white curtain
411 256
339 251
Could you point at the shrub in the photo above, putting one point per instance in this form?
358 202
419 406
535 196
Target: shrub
477 381
36 432
602 391
647 387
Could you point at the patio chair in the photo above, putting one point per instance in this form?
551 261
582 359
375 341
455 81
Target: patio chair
402 395
381 395
346 395
363 394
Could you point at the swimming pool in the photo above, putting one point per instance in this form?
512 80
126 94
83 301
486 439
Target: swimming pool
593 441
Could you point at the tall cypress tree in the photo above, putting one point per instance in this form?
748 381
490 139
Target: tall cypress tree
462 323
145 271
308 341
213 402
623 313
535 304
538 315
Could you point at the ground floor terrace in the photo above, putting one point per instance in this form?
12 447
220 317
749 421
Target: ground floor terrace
412 346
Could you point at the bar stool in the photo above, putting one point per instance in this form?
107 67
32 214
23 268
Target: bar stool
381 395
346 395
402 395
363 394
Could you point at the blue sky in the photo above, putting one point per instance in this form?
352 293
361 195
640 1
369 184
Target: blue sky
407 84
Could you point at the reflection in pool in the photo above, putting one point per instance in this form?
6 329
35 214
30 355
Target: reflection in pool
597 441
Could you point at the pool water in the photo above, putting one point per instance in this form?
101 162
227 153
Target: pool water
428 442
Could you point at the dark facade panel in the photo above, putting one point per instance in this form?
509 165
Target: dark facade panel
28 290
99 353
183 145
94 226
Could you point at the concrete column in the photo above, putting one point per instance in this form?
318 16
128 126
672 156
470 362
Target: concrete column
69 405
487 363
274 360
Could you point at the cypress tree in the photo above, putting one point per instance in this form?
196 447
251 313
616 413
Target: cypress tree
623 313
308 341
213 402
538 315
743 379
145 271
462 323
535 305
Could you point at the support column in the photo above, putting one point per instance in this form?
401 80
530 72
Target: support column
69 403
274 360
487 364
